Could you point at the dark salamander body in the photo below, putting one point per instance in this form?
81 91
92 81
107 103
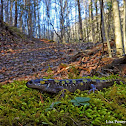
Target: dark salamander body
54 86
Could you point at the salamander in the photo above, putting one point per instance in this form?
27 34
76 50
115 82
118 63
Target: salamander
54 86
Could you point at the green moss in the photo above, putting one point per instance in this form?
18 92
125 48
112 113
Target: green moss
22 105
16 31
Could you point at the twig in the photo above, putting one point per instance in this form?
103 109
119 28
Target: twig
41 99
104 98
73 121
20 124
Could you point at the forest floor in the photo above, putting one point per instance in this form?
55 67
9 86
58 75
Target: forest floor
23 59
28 60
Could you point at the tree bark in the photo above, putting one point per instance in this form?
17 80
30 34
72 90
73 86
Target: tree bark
117 24
80 20
91 20
124 25
1 16
15 13
106 34
11 6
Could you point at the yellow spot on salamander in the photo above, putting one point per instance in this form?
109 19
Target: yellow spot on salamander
67 81
84 80
74 81
63 82
42 82
57 81
81 83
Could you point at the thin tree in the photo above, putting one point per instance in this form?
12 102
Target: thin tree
62 20
16 14
48 7
11 6
101 8
124 24
22 7
1 16
91 20
39 25
97 21
80 20
87 28
106 34
6 12
30 25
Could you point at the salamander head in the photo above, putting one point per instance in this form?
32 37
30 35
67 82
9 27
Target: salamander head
37 84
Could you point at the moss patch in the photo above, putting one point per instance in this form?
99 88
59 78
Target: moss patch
20 105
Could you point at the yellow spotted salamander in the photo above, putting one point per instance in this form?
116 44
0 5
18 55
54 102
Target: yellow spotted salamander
54 86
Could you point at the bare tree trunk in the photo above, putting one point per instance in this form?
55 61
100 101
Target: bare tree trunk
80 20
124 25
75 26
91 20
62 27
102 28
87 28
96 15
97 38
68 37
29 19
6 13
117 23
21 17
101 8
1 16
106 35
34 23
61 23
39 25
15 14
11 6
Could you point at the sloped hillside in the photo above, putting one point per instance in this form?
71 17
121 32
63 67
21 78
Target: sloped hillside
24 59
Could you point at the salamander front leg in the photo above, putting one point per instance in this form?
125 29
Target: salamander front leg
93 88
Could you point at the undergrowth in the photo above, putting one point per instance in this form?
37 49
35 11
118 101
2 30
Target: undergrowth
20 105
